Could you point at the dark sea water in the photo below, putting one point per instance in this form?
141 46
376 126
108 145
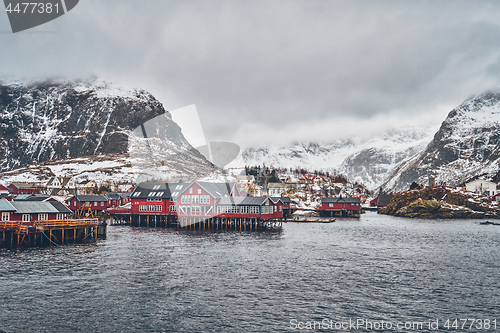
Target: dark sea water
165 280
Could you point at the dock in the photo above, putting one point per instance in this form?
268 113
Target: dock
50 232
186 221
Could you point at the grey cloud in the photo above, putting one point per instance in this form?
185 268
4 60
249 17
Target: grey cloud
274 63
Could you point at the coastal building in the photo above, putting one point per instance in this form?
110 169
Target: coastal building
115 199
29 212
277 189
4 190
34 197
61 186
341 206
381 200
88 202
87 187
24 188
482 186
125 187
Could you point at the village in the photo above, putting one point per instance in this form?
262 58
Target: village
64 209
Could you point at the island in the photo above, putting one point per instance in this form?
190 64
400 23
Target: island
441 202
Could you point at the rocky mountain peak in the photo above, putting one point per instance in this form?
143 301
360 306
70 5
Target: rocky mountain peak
51 120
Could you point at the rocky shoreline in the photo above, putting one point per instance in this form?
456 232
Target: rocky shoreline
441 202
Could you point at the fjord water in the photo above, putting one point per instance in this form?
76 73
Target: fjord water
166 280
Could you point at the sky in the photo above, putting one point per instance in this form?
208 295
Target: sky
275 71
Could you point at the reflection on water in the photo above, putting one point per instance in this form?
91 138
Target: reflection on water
168 280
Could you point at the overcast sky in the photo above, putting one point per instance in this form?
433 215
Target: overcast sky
275 70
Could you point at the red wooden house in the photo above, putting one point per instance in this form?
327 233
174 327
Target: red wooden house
86 202
23 188
203 200
151 198
340 206
200 198
4 189
28 212
250 207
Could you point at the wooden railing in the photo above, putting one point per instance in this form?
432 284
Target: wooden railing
9 225
67 223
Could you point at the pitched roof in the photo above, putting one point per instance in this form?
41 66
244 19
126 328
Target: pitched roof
37 207
32 197
113 196
6 206
284 200
217 190
340 200
60 207
92 198
20 185
242 201
152 190
383 199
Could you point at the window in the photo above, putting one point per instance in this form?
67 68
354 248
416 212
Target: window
150 208
26 217
60 216
330 205
185 199
280 208
173 208
151 194
267 210
199 191
275 208
95 204
178 187
102 203
195 198
5 216
190 190
156 187
42 217
204 199
159 194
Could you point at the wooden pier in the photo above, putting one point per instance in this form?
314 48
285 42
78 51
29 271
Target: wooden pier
50 232
195 222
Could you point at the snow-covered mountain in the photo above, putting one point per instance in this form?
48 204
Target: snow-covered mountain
48 121
368 160
467 145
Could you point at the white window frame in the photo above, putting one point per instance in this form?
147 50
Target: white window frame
185 199
26 218
5 216
43 217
